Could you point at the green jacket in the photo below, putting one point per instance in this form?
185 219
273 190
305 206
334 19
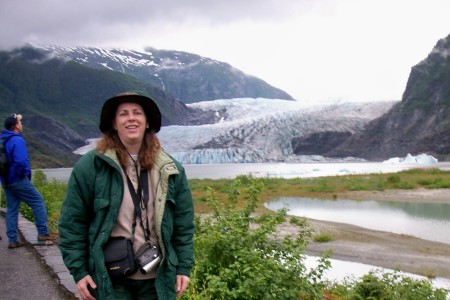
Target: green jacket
90 209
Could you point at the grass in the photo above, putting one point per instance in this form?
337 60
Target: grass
324 187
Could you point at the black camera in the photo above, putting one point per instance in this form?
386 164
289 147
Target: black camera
148 258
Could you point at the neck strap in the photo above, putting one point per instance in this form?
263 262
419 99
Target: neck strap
140 201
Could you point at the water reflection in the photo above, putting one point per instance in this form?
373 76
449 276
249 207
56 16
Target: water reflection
421 210
423 220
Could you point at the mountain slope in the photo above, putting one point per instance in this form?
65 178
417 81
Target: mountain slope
419 123
188 77
66 93
72 93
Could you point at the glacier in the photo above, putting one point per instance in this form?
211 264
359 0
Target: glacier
253 130
261 130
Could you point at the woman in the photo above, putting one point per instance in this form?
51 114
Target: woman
128 167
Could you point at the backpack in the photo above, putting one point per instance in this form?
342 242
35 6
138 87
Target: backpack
4 164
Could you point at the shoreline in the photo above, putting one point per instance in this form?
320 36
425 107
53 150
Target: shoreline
383 249
416 195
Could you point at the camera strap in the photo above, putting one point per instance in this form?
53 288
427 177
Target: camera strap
140 201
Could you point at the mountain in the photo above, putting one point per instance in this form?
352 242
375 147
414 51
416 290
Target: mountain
419 123
66 87
52 145
73 93
188 77
69 94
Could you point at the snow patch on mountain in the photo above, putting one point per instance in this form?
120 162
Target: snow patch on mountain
125 58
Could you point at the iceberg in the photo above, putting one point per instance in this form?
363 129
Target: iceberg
423 159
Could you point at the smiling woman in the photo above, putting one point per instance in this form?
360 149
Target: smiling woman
128 196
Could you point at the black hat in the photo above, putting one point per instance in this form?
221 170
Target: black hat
12 120
110 106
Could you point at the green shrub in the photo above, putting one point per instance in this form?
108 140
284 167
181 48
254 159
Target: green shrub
241 257
323 238
436 183
403 185
393 179
378 285
299 221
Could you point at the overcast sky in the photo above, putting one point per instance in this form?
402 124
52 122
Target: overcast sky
315 50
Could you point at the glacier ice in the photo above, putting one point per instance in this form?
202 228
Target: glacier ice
261 130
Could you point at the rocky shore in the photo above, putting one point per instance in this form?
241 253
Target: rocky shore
384 249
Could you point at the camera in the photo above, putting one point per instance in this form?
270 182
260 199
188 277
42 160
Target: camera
148 258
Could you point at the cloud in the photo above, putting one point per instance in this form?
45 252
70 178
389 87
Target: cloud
103 20
315 50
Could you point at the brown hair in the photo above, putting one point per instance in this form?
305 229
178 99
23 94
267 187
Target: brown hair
147 155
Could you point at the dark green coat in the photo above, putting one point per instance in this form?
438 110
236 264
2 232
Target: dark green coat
90 209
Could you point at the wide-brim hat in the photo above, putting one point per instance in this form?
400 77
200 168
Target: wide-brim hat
110 106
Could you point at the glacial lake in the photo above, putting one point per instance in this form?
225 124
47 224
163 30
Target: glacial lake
429 221
280 170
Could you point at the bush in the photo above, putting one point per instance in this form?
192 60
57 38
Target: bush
241 257
393 179
323 238
377 285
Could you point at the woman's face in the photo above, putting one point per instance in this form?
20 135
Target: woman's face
130 122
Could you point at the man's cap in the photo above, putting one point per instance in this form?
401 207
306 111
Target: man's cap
12 120
110 106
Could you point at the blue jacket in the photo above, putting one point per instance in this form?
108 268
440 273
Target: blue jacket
17 154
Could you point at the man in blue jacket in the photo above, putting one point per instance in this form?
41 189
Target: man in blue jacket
18 186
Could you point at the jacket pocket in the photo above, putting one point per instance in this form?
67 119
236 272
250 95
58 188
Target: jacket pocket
167 224
170 269
100 211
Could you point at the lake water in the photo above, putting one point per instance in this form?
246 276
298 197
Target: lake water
429 221
281 170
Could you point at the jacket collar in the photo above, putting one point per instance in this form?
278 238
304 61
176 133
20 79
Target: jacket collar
163 162
7 133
